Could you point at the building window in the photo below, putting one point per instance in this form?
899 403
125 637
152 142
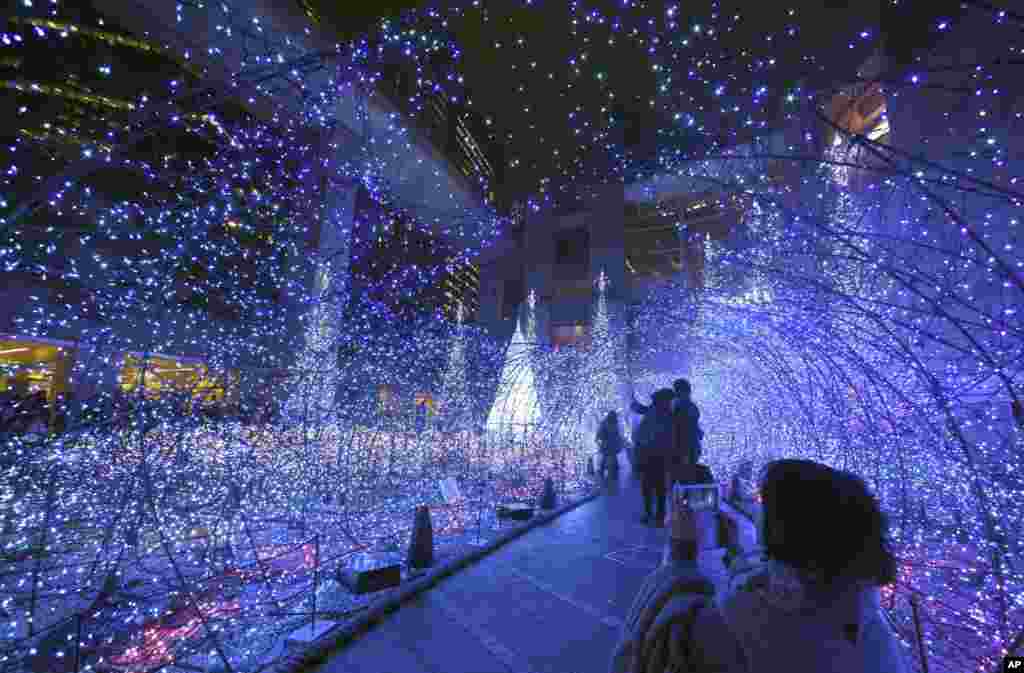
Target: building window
310 11
511 298
562 250
29 367
573 247
569 334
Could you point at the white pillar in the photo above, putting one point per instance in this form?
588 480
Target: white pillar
332 253
335 245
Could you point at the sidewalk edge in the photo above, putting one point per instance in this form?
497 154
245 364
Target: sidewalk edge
345 633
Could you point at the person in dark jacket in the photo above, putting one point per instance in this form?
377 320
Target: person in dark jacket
653 441
681 391
688 435
610 443
642 409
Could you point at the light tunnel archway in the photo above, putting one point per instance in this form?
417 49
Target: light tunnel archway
889 344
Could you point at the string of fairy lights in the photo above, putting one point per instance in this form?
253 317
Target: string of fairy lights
864 311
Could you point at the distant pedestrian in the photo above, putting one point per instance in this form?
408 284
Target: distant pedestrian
610 443
654 445
687 435
421 416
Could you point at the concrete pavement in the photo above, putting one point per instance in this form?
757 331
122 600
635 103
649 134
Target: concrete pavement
551 601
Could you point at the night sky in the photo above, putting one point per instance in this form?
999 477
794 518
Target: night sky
565 103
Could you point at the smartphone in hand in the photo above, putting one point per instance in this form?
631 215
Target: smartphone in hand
695 497
693 514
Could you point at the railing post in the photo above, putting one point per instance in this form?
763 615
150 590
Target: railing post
920 634
78 642
316 580
480 522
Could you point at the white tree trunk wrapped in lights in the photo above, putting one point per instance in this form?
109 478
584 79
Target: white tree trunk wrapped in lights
456 409
847 221
764 230
312 399
516 406
714 271
603 363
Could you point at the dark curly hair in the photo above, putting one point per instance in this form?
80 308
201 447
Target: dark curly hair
826 523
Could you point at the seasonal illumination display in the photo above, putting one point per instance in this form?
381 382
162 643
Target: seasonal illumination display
860 305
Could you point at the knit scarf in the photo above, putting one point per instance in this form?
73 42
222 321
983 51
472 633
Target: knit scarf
656 633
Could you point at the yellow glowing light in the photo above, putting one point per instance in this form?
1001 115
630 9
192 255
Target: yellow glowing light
881 130
93 99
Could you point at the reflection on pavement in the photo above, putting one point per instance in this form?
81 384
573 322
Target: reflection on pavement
641 557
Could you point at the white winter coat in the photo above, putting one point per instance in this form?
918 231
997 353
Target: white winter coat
766 621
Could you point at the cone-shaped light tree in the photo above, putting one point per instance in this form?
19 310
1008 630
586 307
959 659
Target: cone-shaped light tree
516 407
603 362
456 409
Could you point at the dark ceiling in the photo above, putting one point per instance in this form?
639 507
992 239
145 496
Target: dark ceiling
574 106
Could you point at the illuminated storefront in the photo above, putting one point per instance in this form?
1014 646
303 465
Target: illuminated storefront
32 366
29 366
571 334
427 402
161 375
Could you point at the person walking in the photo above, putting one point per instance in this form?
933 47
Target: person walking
610 443
653 440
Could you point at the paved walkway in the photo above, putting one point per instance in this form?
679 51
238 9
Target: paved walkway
551 601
